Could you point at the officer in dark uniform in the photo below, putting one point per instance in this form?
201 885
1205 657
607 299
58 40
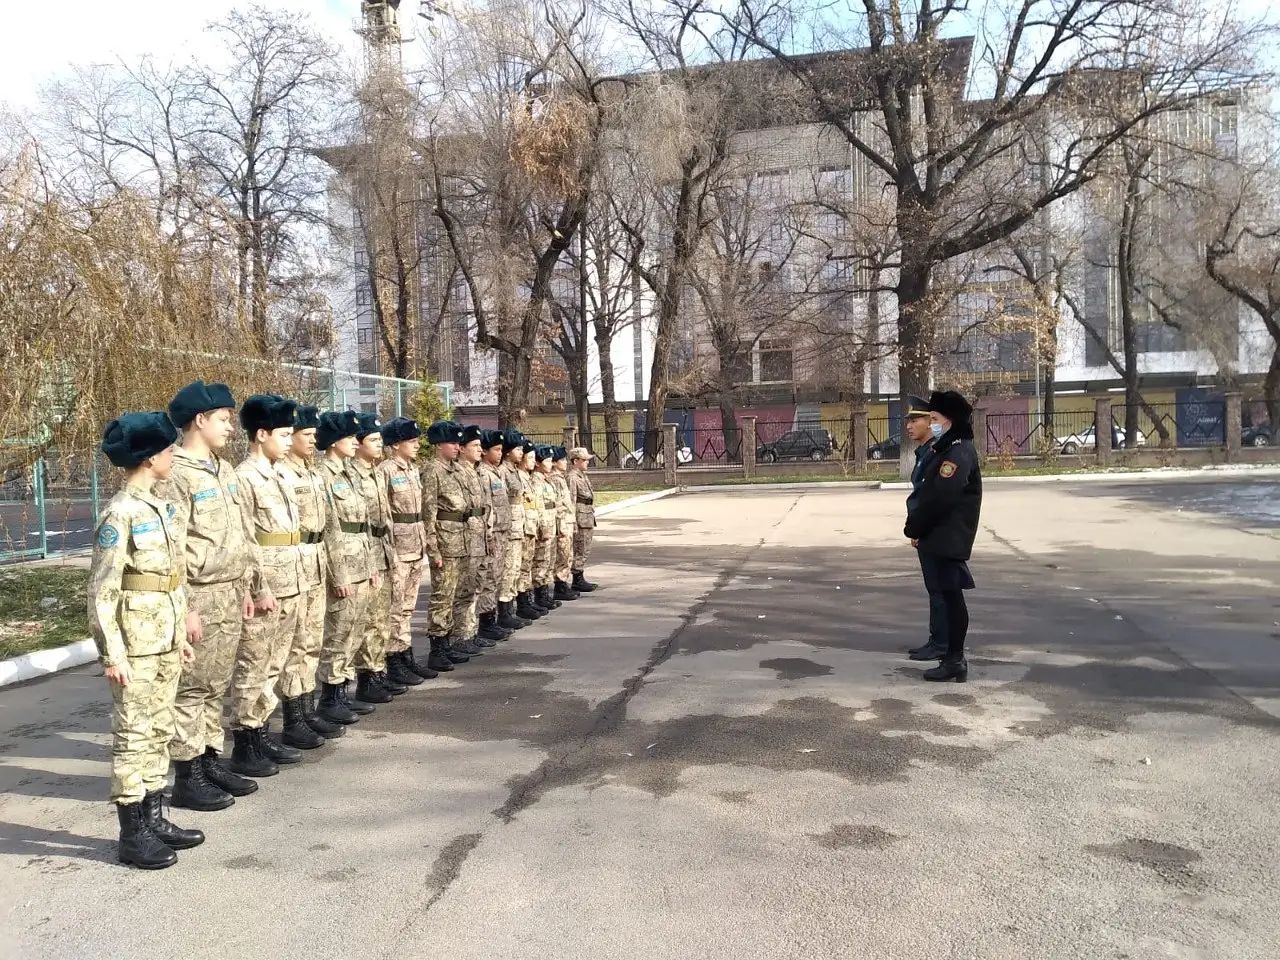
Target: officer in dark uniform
943 521
916 427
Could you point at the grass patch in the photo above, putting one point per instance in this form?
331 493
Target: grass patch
41 608
605 497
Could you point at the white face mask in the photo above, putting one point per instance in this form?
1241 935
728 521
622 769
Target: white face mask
936 430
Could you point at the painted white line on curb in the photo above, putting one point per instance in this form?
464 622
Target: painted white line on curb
29 666
1222 472
633 501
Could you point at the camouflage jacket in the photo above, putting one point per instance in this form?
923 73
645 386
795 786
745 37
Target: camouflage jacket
346 527
532 505
404 491
499 505
481 512
584 498
137 593
512 480
565 524
313 506
374 491
446 505
271 513
207 499
545 495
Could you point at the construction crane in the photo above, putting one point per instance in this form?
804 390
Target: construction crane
380 24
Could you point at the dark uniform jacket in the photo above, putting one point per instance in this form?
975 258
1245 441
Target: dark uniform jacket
943 512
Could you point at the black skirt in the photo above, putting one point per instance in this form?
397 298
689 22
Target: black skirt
942 574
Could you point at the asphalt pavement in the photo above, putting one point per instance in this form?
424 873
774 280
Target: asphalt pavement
725 753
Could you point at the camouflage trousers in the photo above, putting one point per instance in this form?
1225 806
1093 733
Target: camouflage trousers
512 560
142 726
264 647
343 618
406 584
299 673
582 538
202 685
544 559
527 561
492 572
465 622
564 556
445 581
371 654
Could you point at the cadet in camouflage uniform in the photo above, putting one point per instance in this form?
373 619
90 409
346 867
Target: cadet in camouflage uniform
206 495
584 499
446 506
464 636
372 683
494 568
399 475
137 599
298 678
511 473
565 525
276 586
529 607
545 556
346 548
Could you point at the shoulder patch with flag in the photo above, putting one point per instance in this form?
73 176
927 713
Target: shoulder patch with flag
947 470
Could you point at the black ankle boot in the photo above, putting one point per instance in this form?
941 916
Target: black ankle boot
410 660
456 654
383 679
273 749
489 628
368 690
297 732
956 669
193 790
354 705
326 728
399 671
470 646
438 659
581 583
546 598
246 759
526 608
223 778
564 592
173 837
928 651
333 707
139 846
507 617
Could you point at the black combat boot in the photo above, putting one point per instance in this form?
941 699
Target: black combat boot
273 749
326 728
957 670
333 706
382 679
409 659
545 597
223 778
173 837
929 651
139 846
354 705
467 647
368 690
489 628
192 789
507 617
527 609
297 732
564 591
581 583
439 659
246 759
399 671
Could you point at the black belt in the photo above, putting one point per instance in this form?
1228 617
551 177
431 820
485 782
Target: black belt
309 536
586 499
379 532
549 504
458 516
406 517
353 527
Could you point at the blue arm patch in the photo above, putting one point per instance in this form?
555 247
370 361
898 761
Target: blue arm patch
204 494
108 536
146 527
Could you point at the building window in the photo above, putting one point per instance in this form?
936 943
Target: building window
776 365
362 259
362 295
364 336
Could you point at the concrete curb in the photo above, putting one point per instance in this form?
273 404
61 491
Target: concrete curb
802 486
1223 472
29 666
634 501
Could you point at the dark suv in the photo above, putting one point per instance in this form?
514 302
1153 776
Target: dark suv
809 443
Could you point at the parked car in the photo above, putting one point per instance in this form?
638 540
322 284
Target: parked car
890 449
810 443
1085 440
1259 436
683 456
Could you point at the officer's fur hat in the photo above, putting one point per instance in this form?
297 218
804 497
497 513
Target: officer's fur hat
444 431
490 439
199 397
511 439
307 417
369 423
400 429
951 405
334 426
267 411
131 438
471 432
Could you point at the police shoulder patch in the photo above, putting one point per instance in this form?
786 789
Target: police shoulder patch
108 536
947 470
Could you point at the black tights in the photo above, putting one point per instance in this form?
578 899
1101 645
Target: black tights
957 622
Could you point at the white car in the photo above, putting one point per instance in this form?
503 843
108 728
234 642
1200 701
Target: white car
1085 440
683 456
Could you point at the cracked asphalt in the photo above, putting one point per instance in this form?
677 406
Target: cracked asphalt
724 753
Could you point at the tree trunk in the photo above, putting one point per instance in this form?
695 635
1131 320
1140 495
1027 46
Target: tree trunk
1271 393
608 389
729 423
915 356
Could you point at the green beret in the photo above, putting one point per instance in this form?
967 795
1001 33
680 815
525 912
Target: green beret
267 411
199 397
131 438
